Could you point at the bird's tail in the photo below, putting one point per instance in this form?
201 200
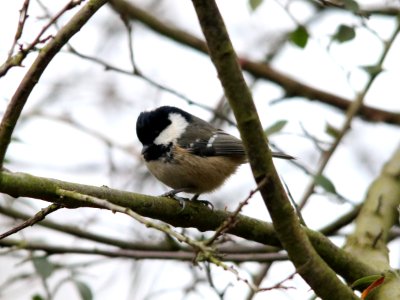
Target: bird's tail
282 155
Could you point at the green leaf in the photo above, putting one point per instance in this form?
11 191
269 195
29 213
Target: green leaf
299 37
254 4
372 70
344 33
37 297
351 5
363 282
84 290
276 127
43 266
325 183
331 130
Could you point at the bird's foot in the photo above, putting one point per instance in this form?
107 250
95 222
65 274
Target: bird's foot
182 201
204 202
172 194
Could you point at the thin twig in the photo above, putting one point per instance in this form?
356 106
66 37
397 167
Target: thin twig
39 216
179 255
258 278
47 13
71 4
279 285
294 204
210 279
231 220
23 16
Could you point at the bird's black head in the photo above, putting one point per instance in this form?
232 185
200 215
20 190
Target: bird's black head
150 124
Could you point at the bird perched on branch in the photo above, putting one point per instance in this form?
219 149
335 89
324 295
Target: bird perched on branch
187 153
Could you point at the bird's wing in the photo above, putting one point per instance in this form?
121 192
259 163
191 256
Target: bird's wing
220 143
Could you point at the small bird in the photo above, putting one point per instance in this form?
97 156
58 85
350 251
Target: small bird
187 153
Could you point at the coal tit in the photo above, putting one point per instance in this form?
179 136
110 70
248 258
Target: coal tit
187 153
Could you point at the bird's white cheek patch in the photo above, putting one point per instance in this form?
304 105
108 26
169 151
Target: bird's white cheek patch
173 131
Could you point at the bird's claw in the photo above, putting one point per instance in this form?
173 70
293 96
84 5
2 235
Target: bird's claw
170 194
182 201
206 203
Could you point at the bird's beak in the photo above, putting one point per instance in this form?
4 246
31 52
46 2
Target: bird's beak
144 149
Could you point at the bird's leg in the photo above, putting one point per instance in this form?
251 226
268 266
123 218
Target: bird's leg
195 197
172 194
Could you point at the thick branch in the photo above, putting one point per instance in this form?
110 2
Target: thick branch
371 235
258 69
377 216
168 210
34 73
286 223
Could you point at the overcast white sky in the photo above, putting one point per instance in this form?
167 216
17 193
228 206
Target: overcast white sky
57 150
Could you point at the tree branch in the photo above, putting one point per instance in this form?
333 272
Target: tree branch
371 235
168 210
377 216
181 255
286 223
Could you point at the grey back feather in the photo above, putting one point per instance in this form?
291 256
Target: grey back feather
196 140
